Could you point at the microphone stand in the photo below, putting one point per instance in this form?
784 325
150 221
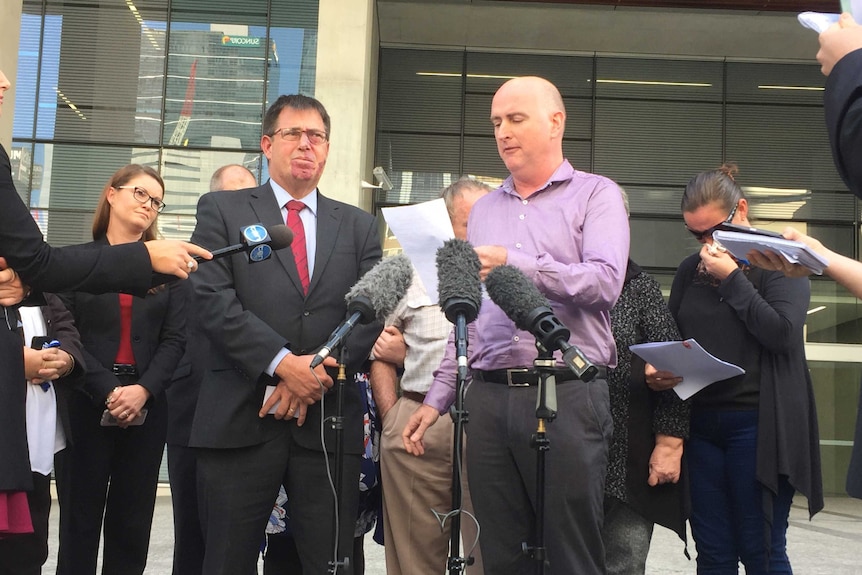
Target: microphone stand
456 563
546 411
338 427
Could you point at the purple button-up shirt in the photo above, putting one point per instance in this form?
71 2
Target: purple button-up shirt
571 238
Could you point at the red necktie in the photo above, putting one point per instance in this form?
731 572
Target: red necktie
300 256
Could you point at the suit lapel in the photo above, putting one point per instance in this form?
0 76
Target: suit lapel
268 212
329 216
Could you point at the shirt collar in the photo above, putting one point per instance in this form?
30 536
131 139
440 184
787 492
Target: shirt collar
563 173
282 197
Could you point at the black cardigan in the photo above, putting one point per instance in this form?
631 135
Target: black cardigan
788 441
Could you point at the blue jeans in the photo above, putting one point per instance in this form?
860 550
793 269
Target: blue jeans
727 520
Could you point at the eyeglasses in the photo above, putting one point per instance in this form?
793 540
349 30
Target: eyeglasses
707 233
315 137
142 197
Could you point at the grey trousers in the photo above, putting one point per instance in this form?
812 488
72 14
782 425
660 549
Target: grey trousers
502 472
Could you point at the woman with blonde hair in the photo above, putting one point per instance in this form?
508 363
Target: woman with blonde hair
118 414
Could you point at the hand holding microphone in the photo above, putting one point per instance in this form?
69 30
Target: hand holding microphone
256 240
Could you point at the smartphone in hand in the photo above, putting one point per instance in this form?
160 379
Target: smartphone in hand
109 420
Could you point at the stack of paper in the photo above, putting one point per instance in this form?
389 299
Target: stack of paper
739 244
686 359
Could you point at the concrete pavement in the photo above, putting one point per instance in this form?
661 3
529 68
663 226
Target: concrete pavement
830 544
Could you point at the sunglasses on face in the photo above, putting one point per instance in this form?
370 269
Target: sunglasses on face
707 233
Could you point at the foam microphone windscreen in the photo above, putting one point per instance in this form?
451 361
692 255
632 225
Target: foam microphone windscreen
383 286
280 235
458 268
516 295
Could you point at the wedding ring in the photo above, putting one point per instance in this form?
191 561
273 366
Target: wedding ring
124 415
191 264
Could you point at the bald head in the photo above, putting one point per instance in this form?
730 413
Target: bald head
529 119
232 177
545 94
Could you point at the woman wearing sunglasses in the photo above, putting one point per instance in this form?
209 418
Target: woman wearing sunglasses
118 415
754 439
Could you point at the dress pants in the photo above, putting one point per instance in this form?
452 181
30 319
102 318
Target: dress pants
113 472
188 534
413 487
727 520
25 554
237 488
502 467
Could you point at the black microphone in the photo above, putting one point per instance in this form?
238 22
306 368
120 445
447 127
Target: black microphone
257 241
374 296
522 302
459 291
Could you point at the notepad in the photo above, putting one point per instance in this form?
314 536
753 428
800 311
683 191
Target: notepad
739 244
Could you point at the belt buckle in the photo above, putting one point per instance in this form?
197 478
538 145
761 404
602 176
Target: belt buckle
509 381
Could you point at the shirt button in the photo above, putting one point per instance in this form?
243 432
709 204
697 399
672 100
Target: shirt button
306 314
518 246
516 338
525 202
521 217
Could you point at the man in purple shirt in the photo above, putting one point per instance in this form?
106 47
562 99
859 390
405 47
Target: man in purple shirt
567 231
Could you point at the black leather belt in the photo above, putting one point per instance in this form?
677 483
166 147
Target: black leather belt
125 369
526 376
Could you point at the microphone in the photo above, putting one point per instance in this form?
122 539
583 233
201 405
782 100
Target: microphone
522 302
257 241
459 288
374 296
459 291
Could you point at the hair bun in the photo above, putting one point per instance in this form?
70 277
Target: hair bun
730 170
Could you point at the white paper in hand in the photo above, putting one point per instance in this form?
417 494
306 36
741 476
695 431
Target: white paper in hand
686 359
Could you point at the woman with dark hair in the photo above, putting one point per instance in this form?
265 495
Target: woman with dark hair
753 439
119 415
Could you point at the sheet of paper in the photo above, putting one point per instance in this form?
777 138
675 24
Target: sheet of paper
739 244
686 359
421 229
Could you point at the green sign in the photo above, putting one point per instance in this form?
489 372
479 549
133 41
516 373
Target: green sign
241 41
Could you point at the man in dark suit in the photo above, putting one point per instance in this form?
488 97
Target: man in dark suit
182 398
264 321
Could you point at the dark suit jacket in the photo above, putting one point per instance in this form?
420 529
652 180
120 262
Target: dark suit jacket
157 332
842 106
251 311
121 268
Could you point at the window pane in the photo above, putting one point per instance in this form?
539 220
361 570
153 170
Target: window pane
420 91
651 79
216 75
104 65
24 121
656 142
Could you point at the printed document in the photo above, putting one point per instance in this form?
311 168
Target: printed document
421 229
688 360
